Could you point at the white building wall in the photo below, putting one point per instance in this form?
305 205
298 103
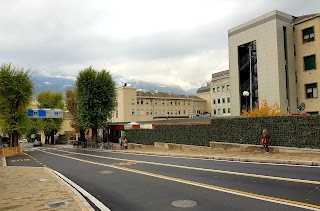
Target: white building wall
267 31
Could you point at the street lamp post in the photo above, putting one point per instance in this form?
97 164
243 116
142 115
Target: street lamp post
246 94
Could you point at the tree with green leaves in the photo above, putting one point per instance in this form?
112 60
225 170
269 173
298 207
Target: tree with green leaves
97 98
50 126
16 89
73 107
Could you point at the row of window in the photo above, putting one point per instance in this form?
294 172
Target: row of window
222 100
162 102
221 111
140 112
220 89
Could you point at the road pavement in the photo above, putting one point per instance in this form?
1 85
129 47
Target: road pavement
125 181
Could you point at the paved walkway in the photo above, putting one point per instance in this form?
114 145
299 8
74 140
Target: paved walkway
37 188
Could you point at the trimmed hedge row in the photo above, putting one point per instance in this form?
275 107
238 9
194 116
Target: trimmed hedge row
288 131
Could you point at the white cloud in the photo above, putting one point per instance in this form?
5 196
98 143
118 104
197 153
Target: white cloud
169 41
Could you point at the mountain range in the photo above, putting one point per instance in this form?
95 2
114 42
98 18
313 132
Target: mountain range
42 83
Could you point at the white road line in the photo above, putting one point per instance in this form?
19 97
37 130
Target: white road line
206 170
95 201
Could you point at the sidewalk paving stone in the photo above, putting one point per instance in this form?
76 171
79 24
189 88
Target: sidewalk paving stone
34 188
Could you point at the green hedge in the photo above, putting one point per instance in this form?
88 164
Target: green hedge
288 131
294 131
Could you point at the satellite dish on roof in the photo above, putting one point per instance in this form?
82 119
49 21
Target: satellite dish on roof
301 106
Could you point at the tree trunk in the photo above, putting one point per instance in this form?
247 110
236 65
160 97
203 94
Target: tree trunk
52 137
94 135
82 134
46 139
15 138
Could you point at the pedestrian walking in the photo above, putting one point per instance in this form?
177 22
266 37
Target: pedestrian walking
125 143
265 140
120 142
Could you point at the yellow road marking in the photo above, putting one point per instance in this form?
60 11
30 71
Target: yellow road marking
198 184
208 170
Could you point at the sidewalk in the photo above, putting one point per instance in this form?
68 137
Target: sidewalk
37 188
303 158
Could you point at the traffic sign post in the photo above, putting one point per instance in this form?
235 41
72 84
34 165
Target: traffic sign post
45 113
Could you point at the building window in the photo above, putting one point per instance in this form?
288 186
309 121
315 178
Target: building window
229 111
213 89
184 111
214 111
132 112
218 101
309 62
228 99
141 102
218 89
214 101
117 114
155 102
228 87
311 90
219 111
223 100
138 102
142 112
224 111
223 88
308 34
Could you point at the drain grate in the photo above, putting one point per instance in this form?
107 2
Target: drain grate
56 204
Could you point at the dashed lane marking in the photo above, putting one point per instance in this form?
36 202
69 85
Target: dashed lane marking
203 185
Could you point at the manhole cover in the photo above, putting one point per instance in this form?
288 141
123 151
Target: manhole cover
56 204
184 203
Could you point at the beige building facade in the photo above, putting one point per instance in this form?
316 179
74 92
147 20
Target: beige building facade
139 106
220 94
261 61
307 61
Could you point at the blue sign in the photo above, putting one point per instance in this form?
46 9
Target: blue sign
45 113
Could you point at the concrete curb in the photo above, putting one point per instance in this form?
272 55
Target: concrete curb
256 160
80 200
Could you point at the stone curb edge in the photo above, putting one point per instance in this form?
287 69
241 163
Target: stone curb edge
291 162
79 199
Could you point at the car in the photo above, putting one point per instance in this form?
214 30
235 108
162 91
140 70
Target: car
23 141
37 143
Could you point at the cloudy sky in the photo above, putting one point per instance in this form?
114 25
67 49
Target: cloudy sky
178 42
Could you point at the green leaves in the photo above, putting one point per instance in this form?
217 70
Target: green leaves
16 89
96 96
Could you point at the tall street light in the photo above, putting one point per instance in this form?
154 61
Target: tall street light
246 94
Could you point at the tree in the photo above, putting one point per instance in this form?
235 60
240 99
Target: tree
16 89
73 107
96 98
50 126
265 110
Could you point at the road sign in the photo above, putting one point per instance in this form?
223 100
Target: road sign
45 113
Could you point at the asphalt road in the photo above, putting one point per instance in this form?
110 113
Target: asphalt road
138 182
